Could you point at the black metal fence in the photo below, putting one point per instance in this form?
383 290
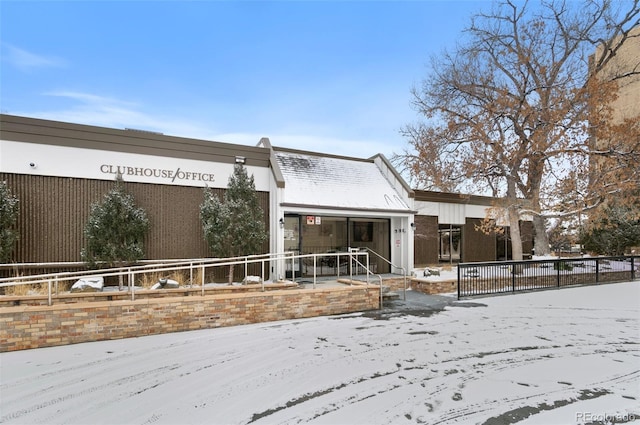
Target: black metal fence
517 276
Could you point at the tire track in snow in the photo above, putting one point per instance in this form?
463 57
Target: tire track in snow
310 396
406 369
74 395
432 372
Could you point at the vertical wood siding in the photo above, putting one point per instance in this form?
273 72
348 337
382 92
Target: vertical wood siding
54 211
477 246
425 240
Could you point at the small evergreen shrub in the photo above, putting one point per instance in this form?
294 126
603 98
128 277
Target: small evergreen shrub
115 231
9 209
234 226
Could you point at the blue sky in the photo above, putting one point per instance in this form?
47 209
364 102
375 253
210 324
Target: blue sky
326 76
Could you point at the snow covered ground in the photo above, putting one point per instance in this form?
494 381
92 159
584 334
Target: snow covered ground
568 356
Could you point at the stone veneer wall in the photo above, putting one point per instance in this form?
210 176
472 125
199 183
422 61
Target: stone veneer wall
395 283
25 327
431 287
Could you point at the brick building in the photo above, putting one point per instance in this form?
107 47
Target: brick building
313 202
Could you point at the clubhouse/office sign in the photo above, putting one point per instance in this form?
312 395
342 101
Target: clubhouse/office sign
63 161
159 173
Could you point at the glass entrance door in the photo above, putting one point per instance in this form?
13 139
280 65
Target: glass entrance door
323 235
373 234
292 243
450 243
314 234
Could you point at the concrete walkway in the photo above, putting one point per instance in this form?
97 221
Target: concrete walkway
418 304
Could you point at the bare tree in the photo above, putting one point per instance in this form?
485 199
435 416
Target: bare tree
512 110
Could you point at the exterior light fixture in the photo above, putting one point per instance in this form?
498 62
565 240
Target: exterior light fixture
240 159
413 226
281 222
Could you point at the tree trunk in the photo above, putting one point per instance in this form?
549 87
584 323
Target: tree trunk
231 273
541 239
120 277
516 237
513 211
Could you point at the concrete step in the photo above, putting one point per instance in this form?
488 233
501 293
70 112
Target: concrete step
388 296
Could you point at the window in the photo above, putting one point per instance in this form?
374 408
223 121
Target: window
450 243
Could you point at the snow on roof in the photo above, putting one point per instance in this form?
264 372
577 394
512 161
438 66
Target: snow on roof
336 182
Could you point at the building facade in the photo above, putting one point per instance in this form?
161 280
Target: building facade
626 62
57 170
313 203
329 204
624 69
448 229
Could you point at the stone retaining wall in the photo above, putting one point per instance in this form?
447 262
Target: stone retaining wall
434 287
25 327
396 283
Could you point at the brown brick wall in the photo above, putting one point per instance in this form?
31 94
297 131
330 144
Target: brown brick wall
24 327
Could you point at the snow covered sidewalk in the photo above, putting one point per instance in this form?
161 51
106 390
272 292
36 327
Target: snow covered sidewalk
565 356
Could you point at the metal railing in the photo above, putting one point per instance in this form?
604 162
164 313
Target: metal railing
404 271
329 263
516 276
354 259
197 269
131 273
352 255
